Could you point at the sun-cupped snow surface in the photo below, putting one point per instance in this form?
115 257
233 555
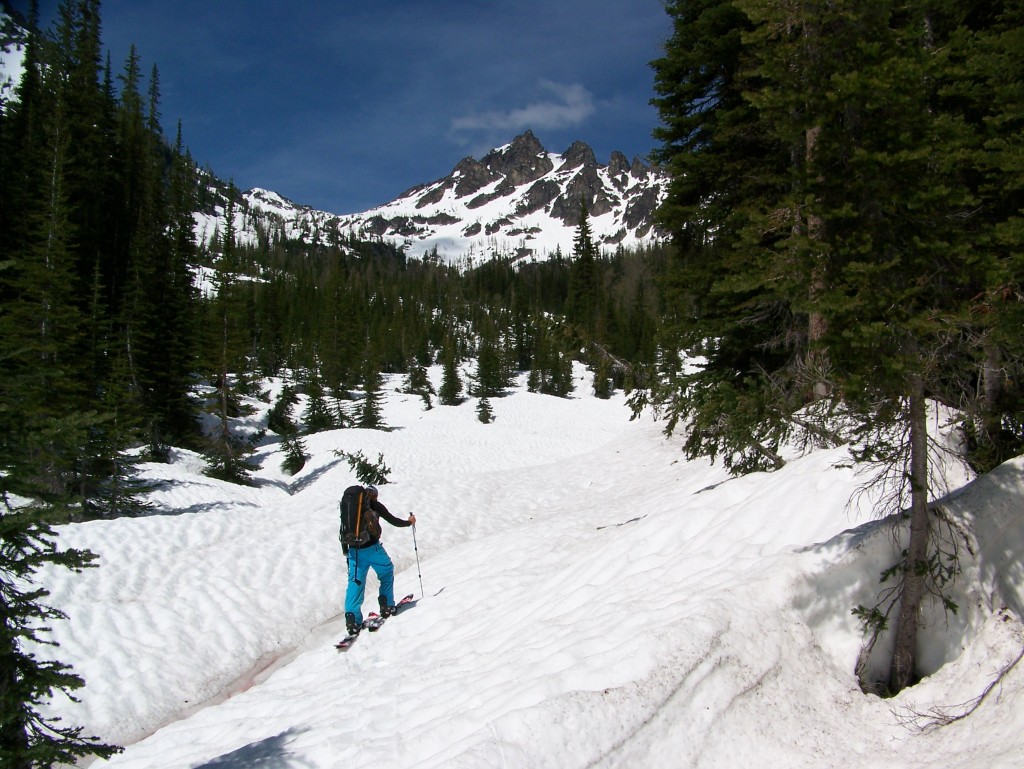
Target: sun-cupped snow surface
586 597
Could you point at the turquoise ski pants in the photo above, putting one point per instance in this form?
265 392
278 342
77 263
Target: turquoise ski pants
360 561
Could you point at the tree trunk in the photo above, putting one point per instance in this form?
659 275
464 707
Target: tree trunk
817 326
992 391
915 562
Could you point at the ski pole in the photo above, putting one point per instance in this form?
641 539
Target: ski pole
417 551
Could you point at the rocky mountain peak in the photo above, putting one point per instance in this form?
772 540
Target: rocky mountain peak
522 149
579 155
521 162
618 165
518 199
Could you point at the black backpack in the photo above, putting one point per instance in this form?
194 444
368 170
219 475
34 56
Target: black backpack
359 523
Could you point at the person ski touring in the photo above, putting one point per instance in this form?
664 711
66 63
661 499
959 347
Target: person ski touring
368 553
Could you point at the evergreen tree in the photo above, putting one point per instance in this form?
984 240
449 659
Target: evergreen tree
295 455
983 86
418 383
279 418
41 321
722 309
551 369
451 383
109 485
484 412
173 372
28 739
370 415
583 303
492 376
89 115
521 332
318 416
159 319
226 453
603 387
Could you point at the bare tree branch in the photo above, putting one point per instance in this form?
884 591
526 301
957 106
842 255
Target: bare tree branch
944 715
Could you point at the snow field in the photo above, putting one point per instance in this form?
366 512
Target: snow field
591 599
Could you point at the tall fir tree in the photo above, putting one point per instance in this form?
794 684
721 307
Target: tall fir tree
583 305
318 415
418 383
492 376
28 738
451 383
226 453
371 416
985 85
723 160
551 368
295 455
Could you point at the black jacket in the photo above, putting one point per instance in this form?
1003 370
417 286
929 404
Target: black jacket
382 512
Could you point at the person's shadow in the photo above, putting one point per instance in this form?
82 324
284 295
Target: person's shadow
271 753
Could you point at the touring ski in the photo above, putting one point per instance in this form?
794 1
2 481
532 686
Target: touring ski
374 624
350 639
346 642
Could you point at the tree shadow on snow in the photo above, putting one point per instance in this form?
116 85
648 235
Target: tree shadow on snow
308 480
271 753
202 507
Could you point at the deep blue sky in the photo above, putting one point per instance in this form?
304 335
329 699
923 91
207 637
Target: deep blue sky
345 104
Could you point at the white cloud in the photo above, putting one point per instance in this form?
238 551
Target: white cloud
570 105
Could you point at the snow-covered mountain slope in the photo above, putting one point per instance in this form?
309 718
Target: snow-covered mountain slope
12 54
517 201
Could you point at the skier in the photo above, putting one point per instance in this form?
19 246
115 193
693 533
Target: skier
361 558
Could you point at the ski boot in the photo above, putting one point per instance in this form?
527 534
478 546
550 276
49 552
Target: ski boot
351 625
